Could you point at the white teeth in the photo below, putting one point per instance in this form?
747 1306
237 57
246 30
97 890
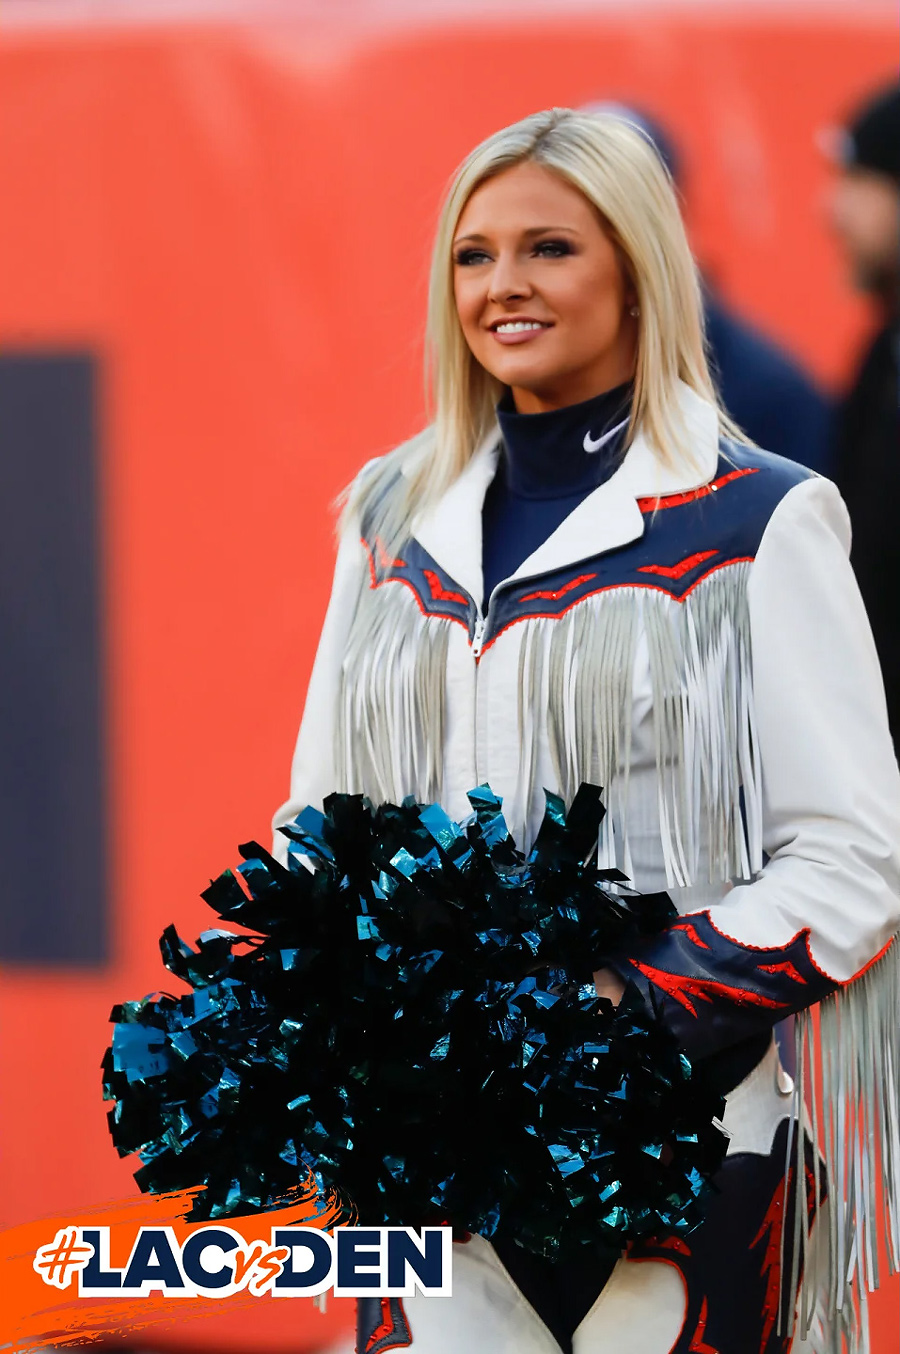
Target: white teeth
518 327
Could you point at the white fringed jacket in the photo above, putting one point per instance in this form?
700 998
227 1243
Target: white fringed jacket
691 637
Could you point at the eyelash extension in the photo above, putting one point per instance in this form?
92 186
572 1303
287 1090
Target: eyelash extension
563 246
466 256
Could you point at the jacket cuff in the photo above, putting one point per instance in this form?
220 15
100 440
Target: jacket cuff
714 992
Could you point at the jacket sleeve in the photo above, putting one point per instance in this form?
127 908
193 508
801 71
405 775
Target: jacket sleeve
827 902
313 774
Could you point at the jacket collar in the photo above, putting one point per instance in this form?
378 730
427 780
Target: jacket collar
607 518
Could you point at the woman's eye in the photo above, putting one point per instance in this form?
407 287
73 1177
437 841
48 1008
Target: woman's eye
469 256
553 249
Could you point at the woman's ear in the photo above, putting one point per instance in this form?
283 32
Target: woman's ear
630 292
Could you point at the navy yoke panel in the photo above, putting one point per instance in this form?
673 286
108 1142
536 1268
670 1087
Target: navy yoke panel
686 537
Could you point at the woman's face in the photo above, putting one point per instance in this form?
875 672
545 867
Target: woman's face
541 292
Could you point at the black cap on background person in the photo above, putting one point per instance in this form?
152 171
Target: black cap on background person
865 213
764 388
872 141
865 200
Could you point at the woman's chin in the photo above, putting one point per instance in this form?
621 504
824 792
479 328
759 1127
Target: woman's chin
526 375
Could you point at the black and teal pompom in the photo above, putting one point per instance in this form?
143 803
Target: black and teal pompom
412 1018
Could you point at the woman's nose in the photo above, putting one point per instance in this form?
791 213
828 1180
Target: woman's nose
508 279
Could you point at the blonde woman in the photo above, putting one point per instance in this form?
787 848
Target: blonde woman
581 571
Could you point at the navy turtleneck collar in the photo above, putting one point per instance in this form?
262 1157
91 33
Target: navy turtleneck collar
563 451
549 463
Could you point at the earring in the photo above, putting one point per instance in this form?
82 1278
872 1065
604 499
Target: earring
634 311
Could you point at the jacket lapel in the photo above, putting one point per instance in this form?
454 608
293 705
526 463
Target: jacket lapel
450 531
608 518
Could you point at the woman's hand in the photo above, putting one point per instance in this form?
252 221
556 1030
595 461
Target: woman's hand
609 985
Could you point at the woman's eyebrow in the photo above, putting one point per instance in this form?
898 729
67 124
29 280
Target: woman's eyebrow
533 230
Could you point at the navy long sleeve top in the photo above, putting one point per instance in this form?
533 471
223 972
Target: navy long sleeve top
548 463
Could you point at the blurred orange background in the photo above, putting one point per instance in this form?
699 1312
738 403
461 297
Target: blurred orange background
235 217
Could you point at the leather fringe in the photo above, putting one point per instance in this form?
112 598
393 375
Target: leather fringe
389 730
706 752
579 669
847 1089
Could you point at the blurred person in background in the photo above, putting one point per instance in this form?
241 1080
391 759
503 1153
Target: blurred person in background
764 389
865 212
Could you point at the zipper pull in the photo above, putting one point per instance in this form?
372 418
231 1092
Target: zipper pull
478 637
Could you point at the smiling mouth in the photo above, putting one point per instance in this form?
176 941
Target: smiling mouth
519 326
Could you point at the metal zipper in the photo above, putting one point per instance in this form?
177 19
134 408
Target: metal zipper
477 649
477 645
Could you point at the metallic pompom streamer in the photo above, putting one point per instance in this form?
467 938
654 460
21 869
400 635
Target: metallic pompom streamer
411 1025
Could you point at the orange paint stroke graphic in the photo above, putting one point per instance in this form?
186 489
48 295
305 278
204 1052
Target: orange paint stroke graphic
34 1314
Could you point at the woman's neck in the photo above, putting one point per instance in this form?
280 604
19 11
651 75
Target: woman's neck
559 452
616 370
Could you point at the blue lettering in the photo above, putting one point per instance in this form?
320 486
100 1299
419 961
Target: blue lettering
424 1260
354 1245
192 1258
152 1261
316 1243
94 1275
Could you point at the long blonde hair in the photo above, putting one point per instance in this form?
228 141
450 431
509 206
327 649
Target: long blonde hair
616 167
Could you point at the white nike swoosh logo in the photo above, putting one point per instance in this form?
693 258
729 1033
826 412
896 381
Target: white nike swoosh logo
590 444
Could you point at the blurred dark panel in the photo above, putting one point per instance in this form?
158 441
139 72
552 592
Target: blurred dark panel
53 896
